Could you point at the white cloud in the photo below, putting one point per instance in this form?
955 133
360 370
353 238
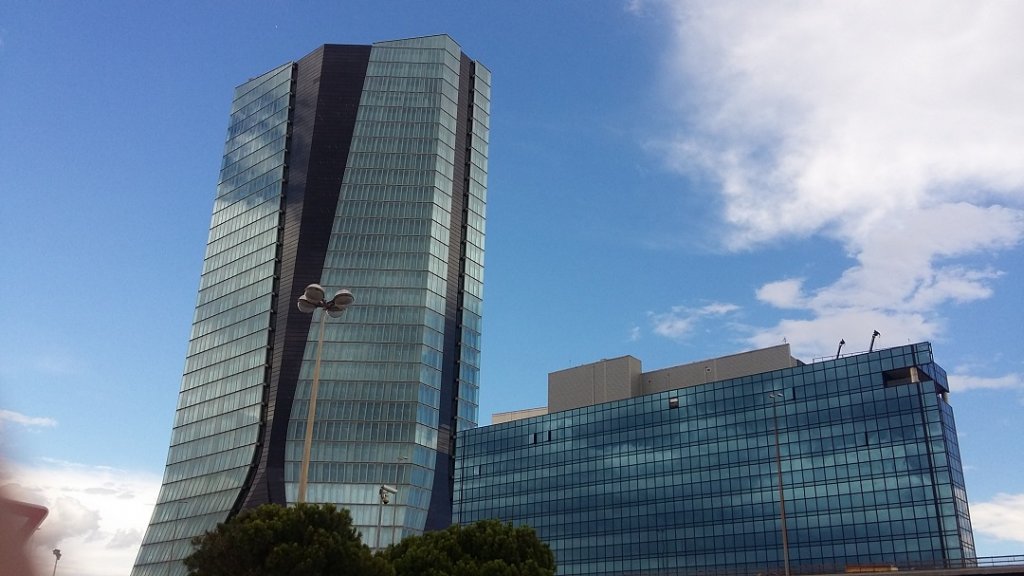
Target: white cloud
960 381
819 336
892 128
1001 518
783 293
680 321
97 514
23 420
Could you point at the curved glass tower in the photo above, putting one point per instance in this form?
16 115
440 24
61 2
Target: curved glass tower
359 167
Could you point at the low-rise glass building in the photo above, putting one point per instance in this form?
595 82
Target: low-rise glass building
687 479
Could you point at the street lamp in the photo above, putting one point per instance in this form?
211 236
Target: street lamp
310 300
56 557
782 498
385 493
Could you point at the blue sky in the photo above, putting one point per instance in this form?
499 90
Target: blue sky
670 180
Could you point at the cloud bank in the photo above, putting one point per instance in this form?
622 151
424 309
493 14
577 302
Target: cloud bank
1002 517
97 515
893 129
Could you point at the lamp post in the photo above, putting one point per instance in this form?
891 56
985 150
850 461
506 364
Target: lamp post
56 557
782 498
385 493
311 299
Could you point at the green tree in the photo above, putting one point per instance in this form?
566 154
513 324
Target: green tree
487 548
272 540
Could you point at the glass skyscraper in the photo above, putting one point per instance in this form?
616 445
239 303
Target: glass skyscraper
685 480
359 167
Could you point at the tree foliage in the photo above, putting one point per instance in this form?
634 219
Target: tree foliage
487 548
272 540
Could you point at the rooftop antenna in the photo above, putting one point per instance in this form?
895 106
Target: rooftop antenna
840 351
874 335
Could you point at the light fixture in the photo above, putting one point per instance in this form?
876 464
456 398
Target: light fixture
385 494
311 299
874 335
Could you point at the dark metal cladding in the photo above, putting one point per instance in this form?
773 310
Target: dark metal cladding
439 514
327 87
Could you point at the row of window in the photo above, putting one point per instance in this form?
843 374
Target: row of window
375 208
212 444
219 405
229 333
241 273
674 558
328 410
232 202
266 150
412 100
228 238
648 417
263 143
406 130
207 326
256 88
387 371
417 54
250 360
247 254
350 241
427 145
238 457
688 451
252 348
256 208
240 418
265 166
241 381
394 227
249 127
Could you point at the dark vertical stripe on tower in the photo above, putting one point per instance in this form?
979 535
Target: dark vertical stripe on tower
439 515
327 87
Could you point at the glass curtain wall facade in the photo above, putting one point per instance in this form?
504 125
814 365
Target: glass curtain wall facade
686 481
360 167
411 249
